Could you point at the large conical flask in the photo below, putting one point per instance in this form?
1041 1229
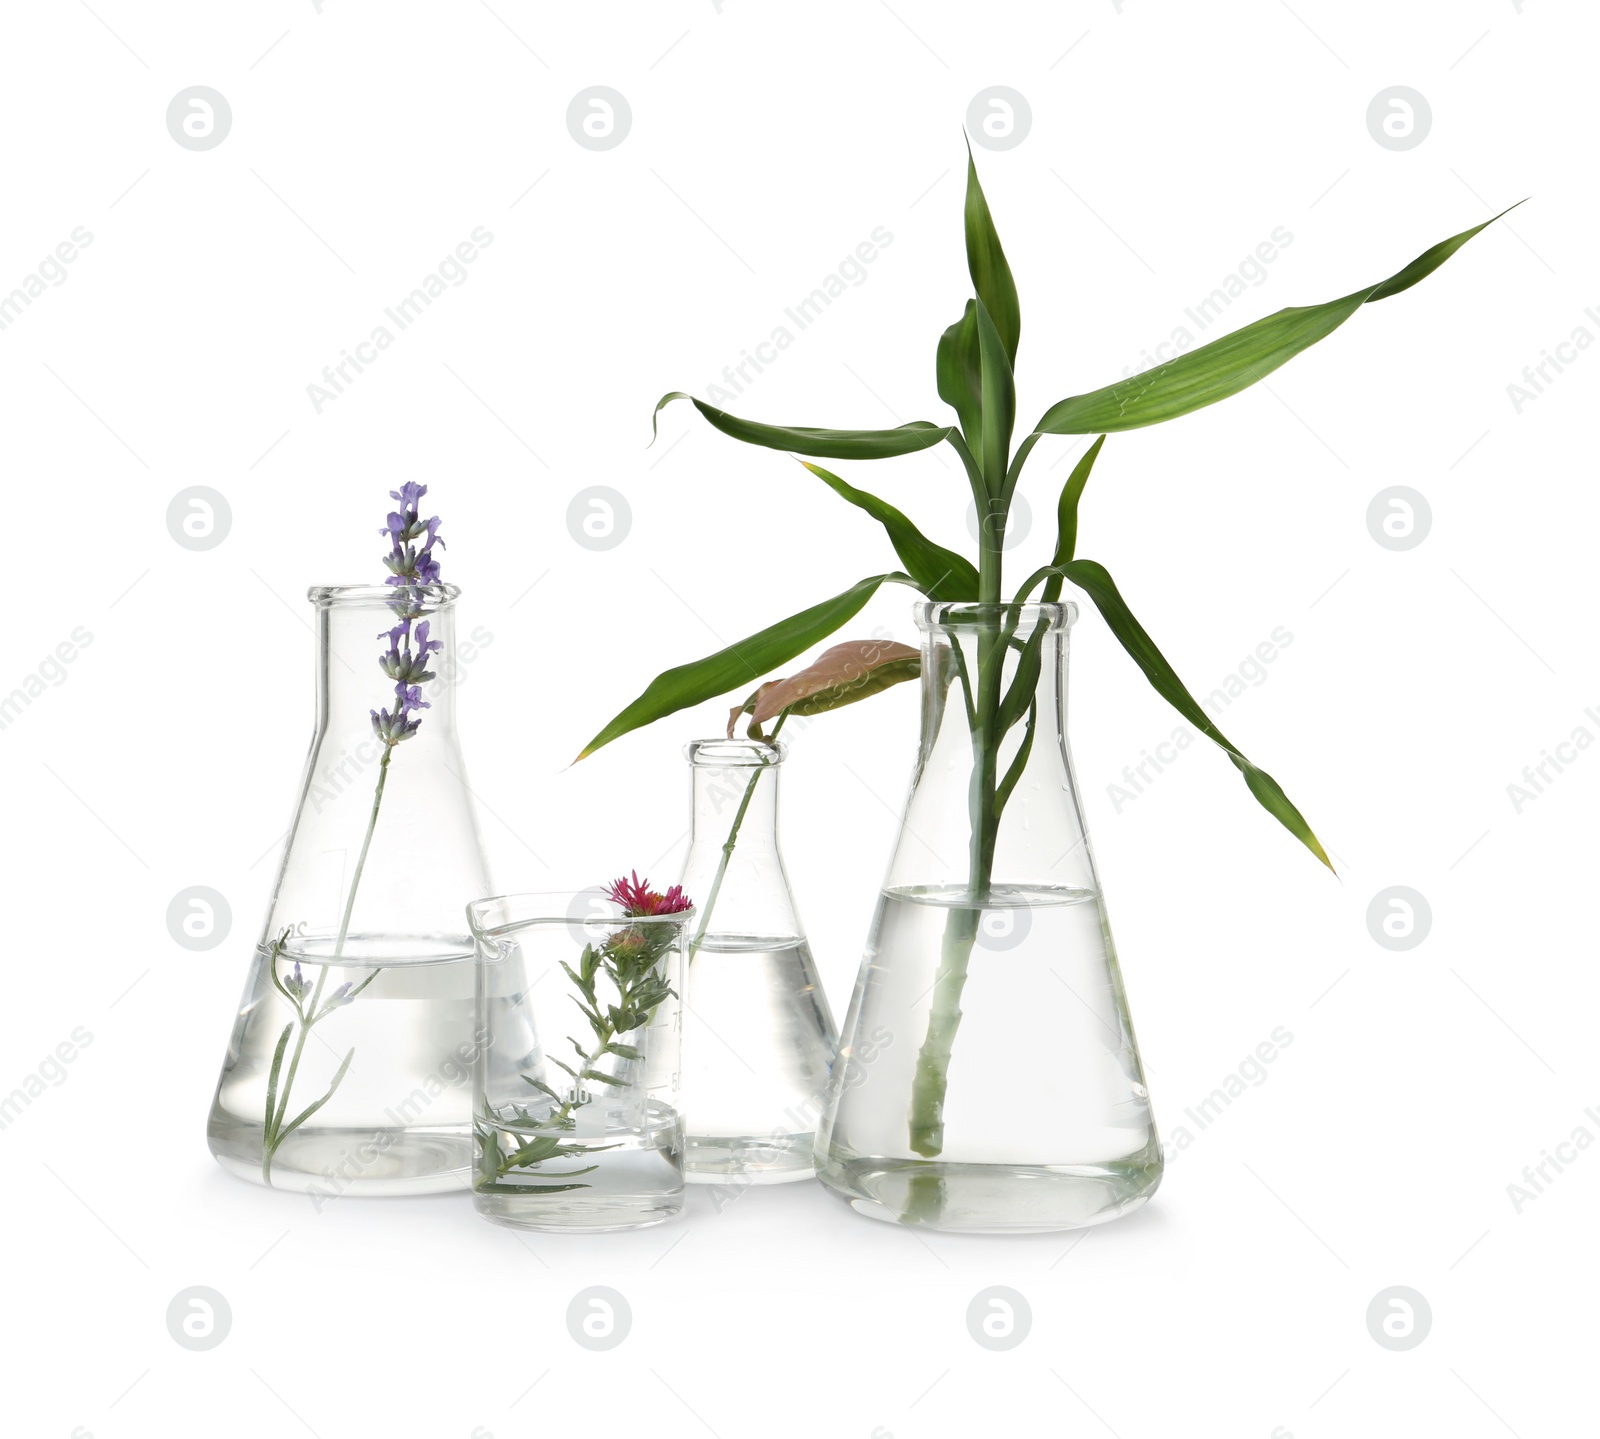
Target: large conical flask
758 1037
349 1070
987 1079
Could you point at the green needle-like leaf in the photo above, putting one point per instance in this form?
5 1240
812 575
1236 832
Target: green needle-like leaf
828 444
1232 363
740 663
270 1128
986 261
312 1108
1094 580
939 573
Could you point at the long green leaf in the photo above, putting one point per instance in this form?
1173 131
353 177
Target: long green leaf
958 368
1067 516
939 573
828 444
1232 363
999 402
740 663
1094 580
986 262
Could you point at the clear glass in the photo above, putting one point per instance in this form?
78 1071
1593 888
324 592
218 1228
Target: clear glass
577 1113
758 1036
988 1080
381 858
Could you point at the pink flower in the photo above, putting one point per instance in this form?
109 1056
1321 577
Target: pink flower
638 899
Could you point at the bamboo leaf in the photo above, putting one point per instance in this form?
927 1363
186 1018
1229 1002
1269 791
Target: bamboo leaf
1019 696
804 440
739 663
939 573
1094 580
1002 792
1234 362
999 402
958 368
1067 516
986 262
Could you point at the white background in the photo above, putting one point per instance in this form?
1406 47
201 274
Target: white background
767 141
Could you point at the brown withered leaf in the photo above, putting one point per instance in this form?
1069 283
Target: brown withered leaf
839 676
747 706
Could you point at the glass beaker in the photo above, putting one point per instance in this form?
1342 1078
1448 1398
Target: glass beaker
988 1079
349 1066
758 1037
576 1083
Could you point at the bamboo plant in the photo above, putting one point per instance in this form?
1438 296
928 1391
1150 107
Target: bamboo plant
975 366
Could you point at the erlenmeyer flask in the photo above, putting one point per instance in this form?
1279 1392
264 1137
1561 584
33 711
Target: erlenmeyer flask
988 1079
758 1038
349 1070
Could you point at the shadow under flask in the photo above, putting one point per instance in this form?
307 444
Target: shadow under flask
758 1037
349 1069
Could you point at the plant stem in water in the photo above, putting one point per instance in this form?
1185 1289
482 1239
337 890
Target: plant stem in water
276 1133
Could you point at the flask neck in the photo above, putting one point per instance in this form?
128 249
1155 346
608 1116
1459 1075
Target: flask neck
734 785
993 799
366 648
734 871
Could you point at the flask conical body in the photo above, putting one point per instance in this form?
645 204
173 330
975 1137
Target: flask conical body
349 1067
758 1036
988 1079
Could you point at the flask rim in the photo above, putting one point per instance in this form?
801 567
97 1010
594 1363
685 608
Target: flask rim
971 615
723 753
434 597
549 909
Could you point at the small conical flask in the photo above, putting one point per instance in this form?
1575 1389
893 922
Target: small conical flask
758 1038
349 1070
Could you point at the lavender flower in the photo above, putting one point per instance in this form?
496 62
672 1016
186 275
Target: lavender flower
412 568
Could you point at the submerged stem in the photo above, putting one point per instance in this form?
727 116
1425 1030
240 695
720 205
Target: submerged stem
274 1134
